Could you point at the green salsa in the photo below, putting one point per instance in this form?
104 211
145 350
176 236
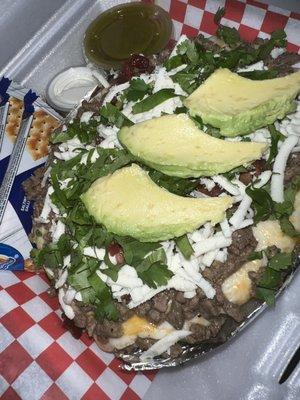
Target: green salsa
133 28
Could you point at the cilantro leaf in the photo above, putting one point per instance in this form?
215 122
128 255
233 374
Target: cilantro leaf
280 261
86 132
261 202
151 269
270 279
287 207
288 228
230 35
156 275
135 251
137 89
180 110
197 120
218 15
260 75
112 270
276 136
158 255
180 186
105 306
186 80
278 39
79 280
272 276
49 256
256 255
268 295
112 116
231 174
189 49
58 196
184 246
173 62
153 100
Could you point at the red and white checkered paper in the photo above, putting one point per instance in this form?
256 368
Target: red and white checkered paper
250 17
39 359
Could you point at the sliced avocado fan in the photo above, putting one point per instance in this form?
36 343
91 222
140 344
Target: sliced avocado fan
129 203
238 105
175 146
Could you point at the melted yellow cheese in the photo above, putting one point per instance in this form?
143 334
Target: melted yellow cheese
295 217
237 286
137 326
268 233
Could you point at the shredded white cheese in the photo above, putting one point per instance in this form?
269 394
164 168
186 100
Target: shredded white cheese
114 91
94 252
226 185
62 279
68 310
48 207
238 217
214 243
164 344
59 230
277 181
86 116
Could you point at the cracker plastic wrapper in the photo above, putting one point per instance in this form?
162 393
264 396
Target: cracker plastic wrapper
44 351
17 222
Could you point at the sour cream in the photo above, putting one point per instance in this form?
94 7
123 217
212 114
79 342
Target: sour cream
69 87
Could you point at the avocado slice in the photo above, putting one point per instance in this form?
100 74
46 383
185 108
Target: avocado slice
129 203
239 105
175 146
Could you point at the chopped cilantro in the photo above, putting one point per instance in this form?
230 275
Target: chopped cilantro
173 62
105 307
180 186
156 275
276 136
153 100
278 39
85 132
218 15
153 269
261 202
189 49
260 75
137 90
268 295
288 228
149 260
280 261
230 35
112 116
184 246
270 279
272 275
256 255
135 251
231 174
